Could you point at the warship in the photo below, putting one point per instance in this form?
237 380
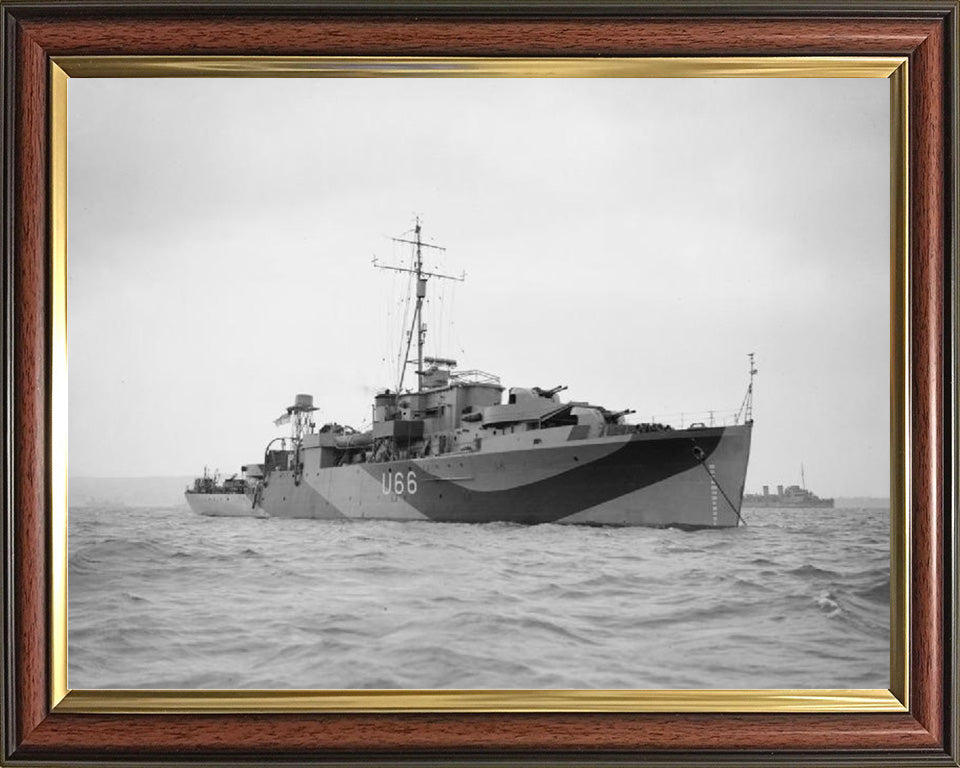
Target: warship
791 497
458 447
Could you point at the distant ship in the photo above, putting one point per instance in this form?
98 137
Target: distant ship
794 496
452 450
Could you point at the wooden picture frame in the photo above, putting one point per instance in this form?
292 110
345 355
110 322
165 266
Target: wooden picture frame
40 728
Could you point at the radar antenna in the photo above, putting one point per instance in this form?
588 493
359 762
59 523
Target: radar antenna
418 325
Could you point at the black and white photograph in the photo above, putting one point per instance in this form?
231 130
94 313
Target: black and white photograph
479 383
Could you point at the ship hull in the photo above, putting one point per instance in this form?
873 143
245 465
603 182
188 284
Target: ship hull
683 478
222 504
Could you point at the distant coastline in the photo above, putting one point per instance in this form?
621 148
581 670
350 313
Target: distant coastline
862 502
127 491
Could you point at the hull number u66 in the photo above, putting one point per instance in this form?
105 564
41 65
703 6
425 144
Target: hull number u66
398 483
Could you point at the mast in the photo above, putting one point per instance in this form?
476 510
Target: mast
421 294
746 407
421 274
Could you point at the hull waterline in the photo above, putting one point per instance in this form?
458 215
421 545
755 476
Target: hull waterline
223 504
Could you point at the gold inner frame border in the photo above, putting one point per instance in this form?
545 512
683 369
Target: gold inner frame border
894 699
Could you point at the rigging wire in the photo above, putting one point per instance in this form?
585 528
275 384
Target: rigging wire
451 309
404 325
432 313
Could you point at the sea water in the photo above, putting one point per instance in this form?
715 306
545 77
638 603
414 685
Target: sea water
160 597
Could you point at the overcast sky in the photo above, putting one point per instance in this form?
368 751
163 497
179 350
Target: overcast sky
631 238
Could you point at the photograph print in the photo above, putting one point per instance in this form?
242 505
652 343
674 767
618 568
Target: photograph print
479 383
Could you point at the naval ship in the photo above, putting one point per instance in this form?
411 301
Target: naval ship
459 447
791 497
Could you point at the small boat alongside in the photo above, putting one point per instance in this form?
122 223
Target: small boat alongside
234 497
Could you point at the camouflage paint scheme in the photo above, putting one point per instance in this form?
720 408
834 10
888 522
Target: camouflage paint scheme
652 479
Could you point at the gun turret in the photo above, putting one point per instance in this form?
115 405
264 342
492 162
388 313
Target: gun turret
548 393
613 417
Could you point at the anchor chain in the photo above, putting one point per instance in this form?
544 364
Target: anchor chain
701 457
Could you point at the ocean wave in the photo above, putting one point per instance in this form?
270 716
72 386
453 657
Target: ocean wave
812 571
166 599
87 557
827 602
878 592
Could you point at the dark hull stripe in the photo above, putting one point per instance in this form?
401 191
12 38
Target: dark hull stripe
637 464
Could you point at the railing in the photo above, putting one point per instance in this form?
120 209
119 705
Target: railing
684 419
474 377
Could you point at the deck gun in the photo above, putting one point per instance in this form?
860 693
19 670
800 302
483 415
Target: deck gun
548 393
